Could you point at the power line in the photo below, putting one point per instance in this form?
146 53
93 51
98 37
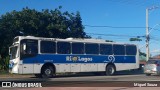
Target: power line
141 3
105 26
155 38
155 29
113 35
111 26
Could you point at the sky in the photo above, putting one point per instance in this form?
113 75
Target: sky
116 20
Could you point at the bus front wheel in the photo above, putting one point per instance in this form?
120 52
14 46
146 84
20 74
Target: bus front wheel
47 72
110 70
38 75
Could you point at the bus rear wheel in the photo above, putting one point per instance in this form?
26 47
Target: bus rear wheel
148 74
110 70
47 72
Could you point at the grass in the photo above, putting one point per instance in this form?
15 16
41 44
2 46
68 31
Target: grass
4 72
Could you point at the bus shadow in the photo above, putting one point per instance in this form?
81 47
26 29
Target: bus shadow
84 74
118 73
129 72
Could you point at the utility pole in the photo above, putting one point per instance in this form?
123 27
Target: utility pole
147 31
147 36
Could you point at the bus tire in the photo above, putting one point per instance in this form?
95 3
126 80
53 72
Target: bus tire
47 72
110 70
38 75
148 74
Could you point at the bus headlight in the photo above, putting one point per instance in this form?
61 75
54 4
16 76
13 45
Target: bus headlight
11 64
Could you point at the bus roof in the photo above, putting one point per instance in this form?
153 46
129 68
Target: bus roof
70 40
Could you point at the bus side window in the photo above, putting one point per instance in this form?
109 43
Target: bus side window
32 49
77 48
91 48
63 47
106 49
48 47
119 49
131 50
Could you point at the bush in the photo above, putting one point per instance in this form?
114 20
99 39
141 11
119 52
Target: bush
4 63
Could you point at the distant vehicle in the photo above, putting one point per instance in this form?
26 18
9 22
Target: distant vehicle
47 56
152 67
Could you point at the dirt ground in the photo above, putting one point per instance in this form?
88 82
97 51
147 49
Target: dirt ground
15 76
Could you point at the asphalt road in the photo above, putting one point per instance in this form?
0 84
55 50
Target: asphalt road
119 76
95 81
139 77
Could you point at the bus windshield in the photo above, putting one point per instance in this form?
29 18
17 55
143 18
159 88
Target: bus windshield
13 52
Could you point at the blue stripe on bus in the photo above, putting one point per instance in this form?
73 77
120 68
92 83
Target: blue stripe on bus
79 59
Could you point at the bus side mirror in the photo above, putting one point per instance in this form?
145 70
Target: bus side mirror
24 46
9 51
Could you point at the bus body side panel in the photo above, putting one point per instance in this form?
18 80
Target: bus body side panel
89 67
37 68
79 63
102 66
129 62
14 64
75 67
126 66
62 67
27 68
80 67
20 69
137 59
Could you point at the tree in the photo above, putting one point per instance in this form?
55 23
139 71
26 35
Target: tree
45 23
135 39
108 40
142 53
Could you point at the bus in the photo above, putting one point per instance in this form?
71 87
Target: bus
45 57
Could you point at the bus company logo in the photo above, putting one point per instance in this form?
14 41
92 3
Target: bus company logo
68 58
78 58
72 58
111 58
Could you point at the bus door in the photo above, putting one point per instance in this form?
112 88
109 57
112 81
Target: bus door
29 51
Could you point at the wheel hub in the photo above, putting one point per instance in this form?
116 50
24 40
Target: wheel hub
48 71
111 70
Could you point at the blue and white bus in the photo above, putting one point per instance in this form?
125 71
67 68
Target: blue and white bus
47 56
